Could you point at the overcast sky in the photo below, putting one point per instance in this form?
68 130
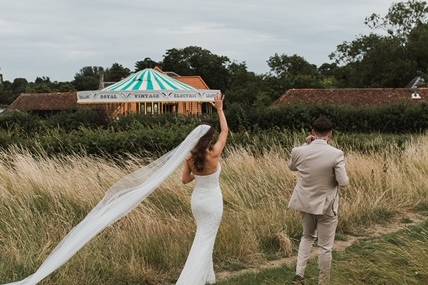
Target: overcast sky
56 38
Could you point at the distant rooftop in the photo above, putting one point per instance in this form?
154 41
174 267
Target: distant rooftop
44 102
354 96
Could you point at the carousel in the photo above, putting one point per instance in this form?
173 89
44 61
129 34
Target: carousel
149 91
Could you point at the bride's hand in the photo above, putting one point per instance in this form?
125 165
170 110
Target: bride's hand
218 102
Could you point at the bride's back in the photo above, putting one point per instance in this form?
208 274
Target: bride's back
205 156
211 164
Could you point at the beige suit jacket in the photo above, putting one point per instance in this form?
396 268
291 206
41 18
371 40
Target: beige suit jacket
321 169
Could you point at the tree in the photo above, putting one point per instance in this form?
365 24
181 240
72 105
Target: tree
146 63
401 19
116 73
40 85
44 85
19 85
391 60
354 51
9 91
329 73
246 88
375 61
195 60
6 94
292 72
87 78
63 86
418 47
42 80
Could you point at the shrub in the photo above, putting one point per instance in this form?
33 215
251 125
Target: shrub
387 119
90 131
72 120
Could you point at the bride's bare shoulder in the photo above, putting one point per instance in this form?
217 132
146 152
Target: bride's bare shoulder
213 158
212 153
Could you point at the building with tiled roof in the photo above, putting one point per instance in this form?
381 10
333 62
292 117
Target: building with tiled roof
354 96
44 102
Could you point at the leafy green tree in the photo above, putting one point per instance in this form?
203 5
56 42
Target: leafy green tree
418 47
195 60
294 71
9 91
246 88
146 63
87 78
375 61
6 94
44 85
19 85
328 73
391 60
354 51
39 88
41 80
401 19
40 85
328 69
63 86
116 73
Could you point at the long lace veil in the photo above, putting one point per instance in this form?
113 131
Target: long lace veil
120 199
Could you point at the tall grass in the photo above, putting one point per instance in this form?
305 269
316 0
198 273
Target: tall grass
43 197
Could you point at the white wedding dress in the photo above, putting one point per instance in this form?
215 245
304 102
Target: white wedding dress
207 208
126 194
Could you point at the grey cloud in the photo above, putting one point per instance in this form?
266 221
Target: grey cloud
56 38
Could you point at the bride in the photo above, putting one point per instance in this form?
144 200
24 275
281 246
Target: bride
207 202
126 194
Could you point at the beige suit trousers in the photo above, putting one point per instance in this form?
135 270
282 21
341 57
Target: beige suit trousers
322 227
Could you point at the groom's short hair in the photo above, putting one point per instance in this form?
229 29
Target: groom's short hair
322 125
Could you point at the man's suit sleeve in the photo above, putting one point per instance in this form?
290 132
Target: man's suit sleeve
292 162
340 170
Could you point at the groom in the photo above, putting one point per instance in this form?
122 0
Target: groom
322 172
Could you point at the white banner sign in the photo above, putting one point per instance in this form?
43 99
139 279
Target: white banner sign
98 96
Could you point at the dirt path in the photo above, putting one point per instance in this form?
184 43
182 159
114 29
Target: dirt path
400 222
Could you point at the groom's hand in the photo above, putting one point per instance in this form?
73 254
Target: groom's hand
310 139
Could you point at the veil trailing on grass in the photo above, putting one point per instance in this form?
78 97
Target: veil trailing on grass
121 198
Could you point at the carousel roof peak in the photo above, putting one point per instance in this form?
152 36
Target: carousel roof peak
149 85
149 79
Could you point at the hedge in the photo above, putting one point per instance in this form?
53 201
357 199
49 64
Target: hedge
91 132
386 119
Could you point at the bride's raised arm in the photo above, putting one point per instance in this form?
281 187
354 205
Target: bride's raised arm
224 129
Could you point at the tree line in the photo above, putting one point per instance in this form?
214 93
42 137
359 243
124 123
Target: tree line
391 55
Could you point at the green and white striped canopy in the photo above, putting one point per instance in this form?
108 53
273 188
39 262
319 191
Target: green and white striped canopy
148 85
148 80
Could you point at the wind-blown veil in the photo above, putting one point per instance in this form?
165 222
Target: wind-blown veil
121 198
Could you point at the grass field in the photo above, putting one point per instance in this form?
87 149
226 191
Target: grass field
397 259
42 198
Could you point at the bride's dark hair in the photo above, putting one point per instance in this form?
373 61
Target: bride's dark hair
199 152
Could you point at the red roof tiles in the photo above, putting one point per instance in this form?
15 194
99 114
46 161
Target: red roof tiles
354 97
45 101
194 81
